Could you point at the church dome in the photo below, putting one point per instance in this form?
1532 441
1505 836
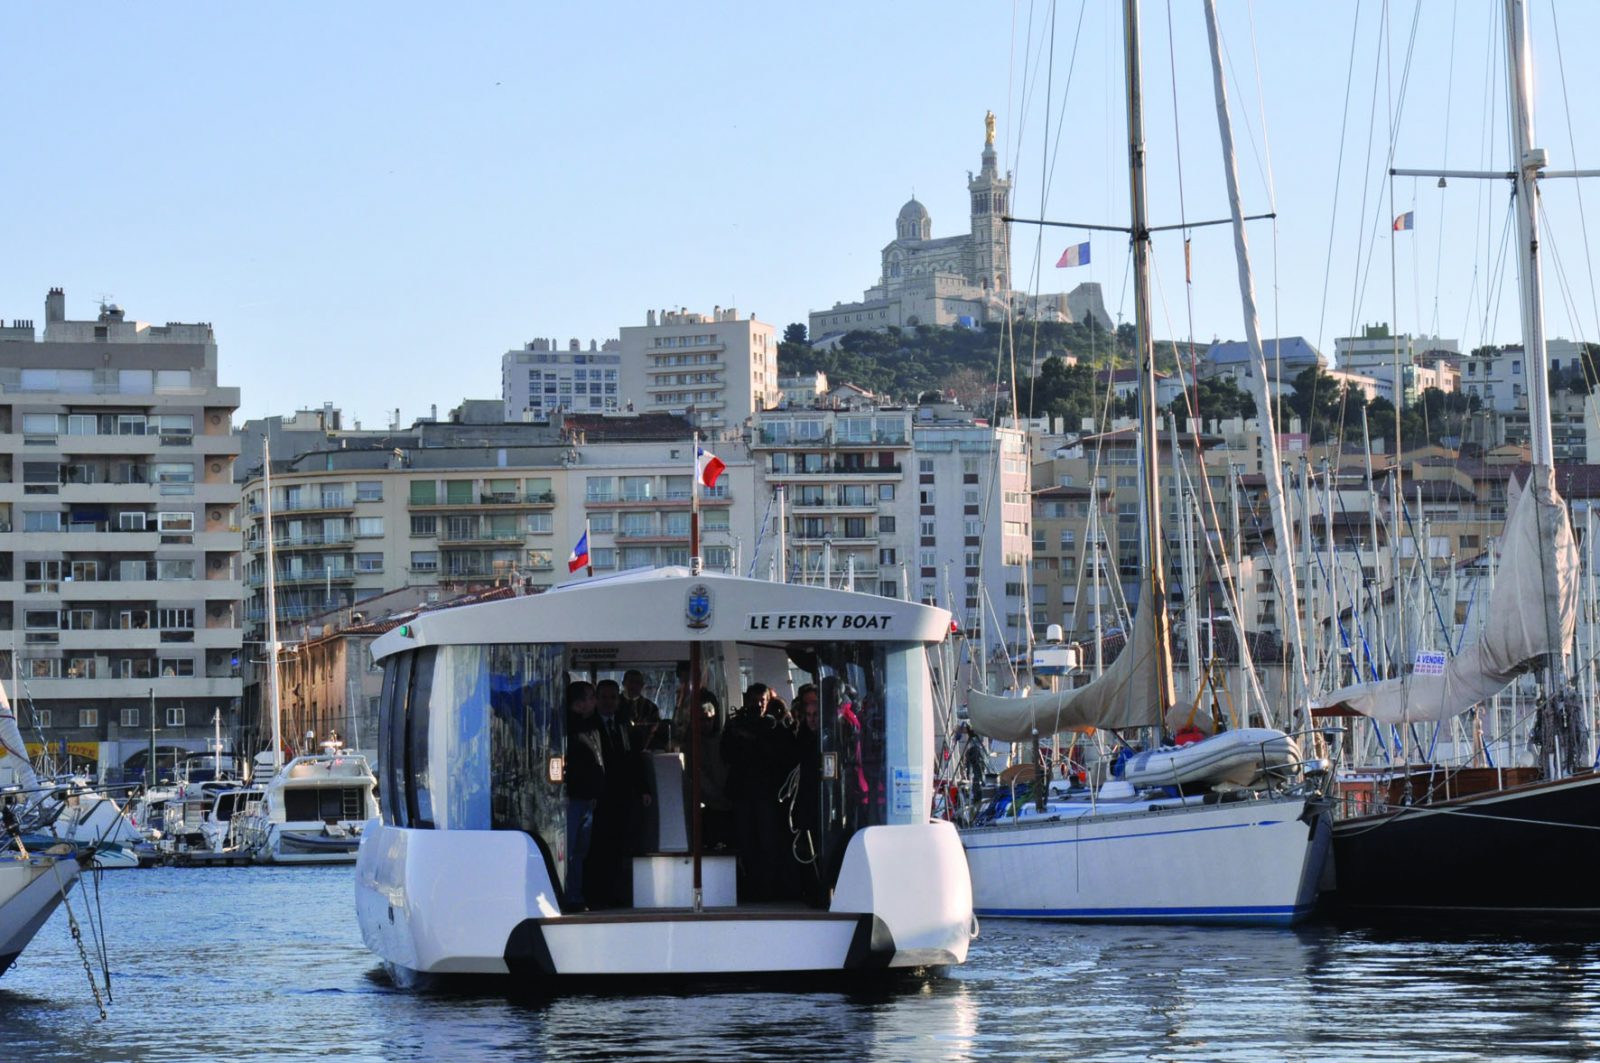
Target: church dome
913 212
913 222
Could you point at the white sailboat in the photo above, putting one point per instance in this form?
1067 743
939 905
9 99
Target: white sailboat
32 882
1231 829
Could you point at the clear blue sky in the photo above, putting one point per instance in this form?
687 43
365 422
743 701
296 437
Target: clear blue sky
373 202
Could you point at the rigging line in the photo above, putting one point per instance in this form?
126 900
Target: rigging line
1572 149
1244 112
1366 186
1444 162
1266 133
1338 174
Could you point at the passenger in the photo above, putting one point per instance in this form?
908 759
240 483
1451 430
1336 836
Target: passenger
585 781
805 814
650 734
617 816
840 696
716 811
975 758
759 753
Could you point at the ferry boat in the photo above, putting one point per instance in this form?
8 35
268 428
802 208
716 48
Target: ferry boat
469 870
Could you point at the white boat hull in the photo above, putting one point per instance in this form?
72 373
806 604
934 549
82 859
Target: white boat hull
436 902
30 890
1243 862
306 844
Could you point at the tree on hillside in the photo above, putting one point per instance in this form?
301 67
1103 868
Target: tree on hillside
1219 398
794 333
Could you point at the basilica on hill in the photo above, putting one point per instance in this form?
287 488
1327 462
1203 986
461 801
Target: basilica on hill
954 280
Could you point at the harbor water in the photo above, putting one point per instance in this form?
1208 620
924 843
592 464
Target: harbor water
231 963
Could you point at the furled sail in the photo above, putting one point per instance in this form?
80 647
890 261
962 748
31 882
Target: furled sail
1124 695
13 751
1538 577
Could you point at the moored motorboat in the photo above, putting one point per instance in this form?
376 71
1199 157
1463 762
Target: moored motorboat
310 812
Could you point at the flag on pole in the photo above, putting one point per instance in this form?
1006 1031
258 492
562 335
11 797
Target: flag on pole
1076 255
580 553
708 467
1405 221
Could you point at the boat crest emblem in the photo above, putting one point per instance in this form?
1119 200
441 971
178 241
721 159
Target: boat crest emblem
698 610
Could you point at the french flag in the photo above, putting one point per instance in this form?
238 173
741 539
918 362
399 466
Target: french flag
1405 221
1076 255
580 553
708 466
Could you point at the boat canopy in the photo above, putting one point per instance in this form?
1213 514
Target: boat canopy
671 606
1538 577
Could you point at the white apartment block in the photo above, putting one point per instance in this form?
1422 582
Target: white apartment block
974 525
717 369
119 542
542 379
1425 361
1499 378
848 508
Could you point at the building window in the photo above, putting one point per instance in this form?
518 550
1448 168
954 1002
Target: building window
174 569
41 718
369 491
369 562
886 525
424 493
177 668
424 527
175 716
424 561
886 492
369 527
88 717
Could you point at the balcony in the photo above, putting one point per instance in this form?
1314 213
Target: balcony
495 501
307 577
480 538
833 470
308 542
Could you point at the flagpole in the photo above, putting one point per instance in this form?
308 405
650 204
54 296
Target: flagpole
694 507
589 546
696 718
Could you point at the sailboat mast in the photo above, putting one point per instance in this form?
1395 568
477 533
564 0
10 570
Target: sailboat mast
1271 464
1149 441
1527 162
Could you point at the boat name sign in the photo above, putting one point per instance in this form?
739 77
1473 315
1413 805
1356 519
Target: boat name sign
820 621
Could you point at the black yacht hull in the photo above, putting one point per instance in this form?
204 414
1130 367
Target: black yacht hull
1527 850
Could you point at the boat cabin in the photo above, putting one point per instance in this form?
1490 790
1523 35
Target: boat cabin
479 731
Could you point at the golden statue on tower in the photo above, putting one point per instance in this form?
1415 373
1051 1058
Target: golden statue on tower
988 128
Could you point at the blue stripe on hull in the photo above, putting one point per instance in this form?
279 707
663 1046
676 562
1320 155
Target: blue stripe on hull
1269 915
1118 837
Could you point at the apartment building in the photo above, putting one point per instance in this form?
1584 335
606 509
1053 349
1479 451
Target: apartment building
846 494
119 542
543 379
716 369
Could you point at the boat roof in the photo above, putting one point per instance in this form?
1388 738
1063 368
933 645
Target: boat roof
671 606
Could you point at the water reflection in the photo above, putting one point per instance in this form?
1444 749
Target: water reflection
250 962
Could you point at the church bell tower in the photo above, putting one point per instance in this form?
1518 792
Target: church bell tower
991 237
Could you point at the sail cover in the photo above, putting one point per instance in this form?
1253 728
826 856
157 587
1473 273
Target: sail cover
1124 695
1538 570
12 749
